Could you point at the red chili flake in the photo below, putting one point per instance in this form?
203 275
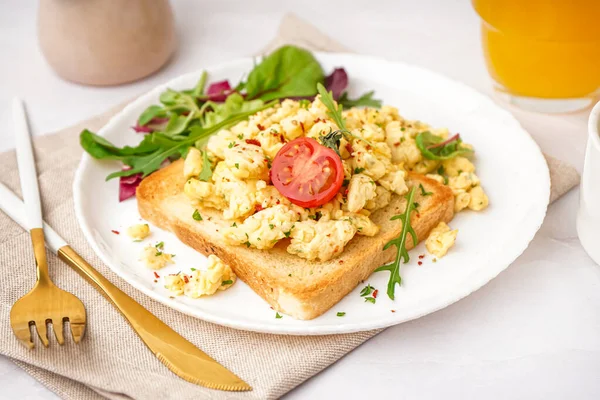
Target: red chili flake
115 232
155 281
258 207
278 201
302 126
375 293
393 310
253 141
396 144
420 263
418 215
156 275
185 278
421 256
318 120
341 261
346 192
349 148
272 308
259 126
281 138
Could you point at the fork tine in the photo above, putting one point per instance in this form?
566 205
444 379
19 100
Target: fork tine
23 333
57 325
77 327
42 331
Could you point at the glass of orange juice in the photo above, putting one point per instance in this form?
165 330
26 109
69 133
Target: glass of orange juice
543 55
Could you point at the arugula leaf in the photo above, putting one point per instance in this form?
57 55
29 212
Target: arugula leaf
100 148
335 111
332 140
199 88
287 72
436 148
150 162
366 100
206 172
149 113
400 243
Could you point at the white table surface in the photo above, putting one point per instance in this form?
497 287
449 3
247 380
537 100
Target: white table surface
532 333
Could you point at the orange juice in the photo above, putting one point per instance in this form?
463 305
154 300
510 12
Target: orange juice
546 49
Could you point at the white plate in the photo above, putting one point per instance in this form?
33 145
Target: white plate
512 169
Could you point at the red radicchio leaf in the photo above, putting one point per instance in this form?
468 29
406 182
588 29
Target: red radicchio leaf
218 91
129 184
337 82
154 125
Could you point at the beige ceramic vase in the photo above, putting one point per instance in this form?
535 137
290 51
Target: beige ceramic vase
106 42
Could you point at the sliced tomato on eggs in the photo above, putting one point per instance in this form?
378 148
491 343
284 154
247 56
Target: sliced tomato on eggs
307 173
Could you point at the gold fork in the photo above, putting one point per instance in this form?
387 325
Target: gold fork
45 303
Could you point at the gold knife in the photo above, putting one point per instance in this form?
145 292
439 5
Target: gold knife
172 349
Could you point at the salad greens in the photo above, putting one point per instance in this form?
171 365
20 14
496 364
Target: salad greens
436 148
185 118
400 243
287 72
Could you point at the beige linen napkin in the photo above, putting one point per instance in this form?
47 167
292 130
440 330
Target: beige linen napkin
111 361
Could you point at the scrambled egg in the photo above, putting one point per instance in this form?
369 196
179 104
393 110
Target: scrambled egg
216 276
155 258
375 159
440 240
139 231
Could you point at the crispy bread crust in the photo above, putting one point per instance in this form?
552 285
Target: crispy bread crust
314 286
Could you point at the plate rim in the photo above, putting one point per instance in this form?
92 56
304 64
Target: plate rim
324 329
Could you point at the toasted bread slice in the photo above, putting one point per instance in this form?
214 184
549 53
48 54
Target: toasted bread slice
292 285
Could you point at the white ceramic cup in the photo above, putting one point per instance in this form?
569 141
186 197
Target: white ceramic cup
588 217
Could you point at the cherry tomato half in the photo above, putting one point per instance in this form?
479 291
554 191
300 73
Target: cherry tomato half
307 173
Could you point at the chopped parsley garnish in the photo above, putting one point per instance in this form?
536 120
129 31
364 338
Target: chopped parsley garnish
370 300
237 165
240 136
415 205
193 269
271 226
304 103
341 313
288 233
345 182
358 170
423 191
231 144
197 216
247 243
160 245
367 290
158 254
227 282
278 316
234 224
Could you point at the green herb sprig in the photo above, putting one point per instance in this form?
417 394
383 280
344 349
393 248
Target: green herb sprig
335 113
400 243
